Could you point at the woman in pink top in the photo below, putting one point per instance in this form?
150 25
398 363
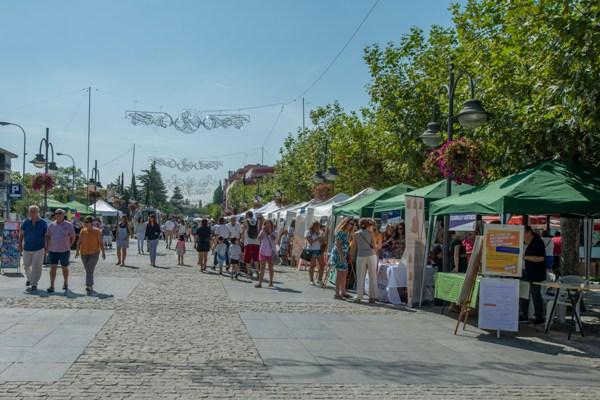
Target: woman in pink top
267 237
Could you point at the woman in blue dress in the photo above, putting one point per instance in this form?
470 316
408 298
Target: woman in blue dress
340 257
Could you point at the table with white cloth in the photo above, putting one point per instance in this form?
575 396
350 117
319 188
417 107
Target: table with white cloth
392 275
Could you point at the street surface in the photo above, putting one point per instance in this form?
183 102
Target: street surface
175 333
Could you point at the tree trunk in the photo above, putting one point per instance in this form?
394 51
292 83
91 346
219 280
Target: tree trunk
569 259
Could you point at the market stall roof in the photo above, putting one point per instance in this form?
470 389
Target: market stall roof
267 208
79 207
54 204
325 209
430 193
363 206
551 187
104 209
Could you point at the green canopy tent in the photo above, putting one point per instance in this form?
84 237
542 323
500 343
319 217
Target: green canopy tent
430 193
54 204
363 207
80 208
551 187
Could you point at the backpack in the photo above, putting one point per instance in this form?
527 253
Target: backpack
252 230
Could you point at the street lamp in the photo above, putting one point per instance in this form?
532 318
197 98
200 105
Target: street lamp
73 183
41 161
472 116
324 174
24 148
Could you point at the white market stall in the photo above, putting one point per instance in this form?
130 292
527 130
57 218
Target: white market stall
104 209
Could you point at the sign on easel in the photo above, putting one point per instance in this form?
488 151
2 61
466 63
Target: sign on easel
499 304
503 250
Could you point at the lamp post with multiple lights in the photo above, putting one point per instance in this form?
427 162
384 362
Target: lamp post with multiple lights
94 183
472 116
41 161
323 173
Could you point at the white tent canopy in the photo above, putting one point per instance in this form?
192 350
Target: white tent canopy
325 209
105 209
267 208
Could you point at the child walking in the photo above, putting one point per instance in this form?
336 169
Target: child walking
235 253
180 249
220 250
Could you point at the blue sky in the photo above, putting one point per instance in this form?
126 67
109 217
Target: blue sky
183 54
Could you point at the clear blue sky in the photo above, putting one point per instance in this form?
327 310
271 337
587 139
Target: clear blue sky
183 54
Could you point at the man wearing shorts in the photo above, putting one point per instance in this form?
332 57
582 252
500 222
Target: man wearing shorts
60 236
33 233
251 243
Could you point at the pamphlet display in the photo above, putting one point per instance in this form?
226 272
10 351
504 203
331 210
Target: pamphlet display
499 304
503 250
9 250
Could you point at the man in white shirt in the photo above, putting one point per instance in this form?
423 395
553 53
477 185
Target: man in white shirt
235 229
169 232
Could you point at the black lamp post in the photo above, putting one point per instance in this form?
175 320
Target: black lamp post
94 183
472 116
41 161
73 182
323 173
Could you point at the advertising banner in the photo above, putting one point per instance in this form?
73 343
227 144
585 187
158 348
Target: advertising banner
9 250
415 246
462 222
503 250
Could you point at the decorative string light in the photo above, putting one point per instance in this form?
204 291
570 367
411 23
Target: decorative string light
192 186
189 121
185 165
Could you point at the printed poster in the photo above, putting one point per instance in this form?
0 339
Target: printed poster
415 246
499 304
503 250
9 250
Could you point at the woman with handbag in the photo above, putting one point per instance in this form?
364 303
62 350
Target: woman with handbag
313 244
267 252
366 261
340 256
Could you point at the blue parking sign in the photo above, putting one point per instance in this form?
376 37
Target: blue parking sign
15 190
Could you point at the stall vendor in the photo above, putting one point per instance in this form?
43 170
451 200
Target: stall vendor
534 271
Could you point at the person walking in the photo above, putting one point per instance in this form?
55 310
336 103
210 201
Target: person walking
60 236
340 256
140 234
250 230
152 236
220 250
89 246
180 249
267 237
203 234
313 243
235 252
221 230
107 236
366 261
33 233
284 246
123 234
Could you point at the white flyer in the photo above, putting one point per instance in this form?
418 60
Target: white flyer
499 304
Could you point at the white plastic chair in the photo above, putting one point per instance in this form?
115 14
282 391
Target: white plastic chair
563 299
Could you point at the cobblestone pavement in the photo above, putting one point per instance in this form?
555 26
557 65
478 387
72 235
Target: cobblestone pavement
179 336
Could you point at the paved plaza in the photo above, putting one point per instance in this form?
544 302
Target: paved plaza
175 333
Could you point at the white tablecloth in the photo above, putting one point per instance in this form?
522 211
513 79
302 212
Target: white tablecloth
390 277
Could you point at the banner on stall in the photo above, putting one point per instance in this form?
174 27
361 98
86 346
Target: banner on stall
463 222
9 250
503 250
391 217
499 304
415 245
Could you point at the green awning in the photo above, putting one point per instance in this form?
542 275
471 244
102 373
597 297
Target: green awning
79 207
363 207
54 204
430 193
551 187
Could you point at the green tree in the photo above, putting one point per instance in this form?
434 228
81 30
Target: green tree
177 199
62 190
218 194
133 190
153 190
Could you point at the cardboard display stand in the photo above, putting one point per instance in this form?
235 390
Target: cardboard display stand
466 292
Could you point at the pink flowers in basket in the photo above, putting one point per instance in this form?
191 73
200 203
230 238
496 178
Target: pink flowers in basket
41 181
458 159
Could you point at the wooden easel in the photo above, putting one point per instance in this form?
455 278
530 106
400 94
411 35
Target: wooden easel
466 292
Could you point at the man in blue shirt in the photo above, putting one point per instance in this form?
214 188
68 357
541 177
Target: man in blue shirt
33 233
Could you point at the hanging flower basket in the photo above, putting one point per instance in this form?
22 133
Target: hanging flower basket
41 181
460 160
323 191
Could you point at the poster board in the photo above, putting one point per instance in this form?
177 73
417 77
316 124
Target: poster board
472 272
503 250
499 304
9 250
415 246
463 222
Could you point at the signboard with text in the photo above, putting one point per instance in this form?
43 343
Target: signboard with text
503 250
499 304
